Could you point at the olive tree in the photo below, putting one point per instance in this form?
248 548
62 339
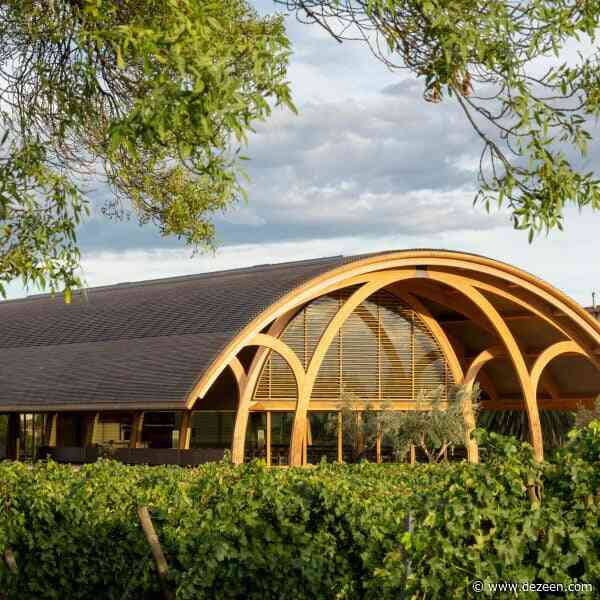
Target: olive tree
435 425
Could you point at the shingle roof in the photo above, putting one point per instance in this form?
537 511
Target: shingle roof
133 344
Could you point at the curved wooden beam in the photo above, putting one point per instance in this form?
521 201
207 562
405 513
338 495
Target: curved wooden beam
487 385
460 305
455 302
237 368
378 281
474 372
248 384
519 301
277 345
581 322
301 378
549 354
480 361
535 307
464 285
247 390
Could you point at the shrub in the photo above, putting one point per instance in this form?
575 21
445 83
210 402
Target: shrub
334 531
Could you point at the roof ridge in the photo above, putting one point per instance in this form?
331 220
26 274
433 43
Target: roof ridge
181 278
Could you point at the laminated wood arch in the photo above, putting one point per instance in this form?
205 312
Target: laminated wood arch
246 387
376 324
377 282
480 361
548 355
470 285
238 372
356 271
512 349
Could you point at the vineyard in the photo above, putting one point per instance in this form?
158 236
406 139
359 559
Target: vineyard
334 531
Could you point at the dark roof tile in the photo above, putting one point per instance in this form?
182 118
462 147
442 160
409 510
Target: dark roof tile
133 344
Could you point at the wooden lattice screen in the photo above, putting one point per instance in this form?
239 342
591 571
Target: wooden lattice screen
384 351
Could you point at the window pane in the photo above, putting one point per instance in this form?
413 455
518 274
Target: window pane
212 429
3 436
161 429
256 436
322 437
281 434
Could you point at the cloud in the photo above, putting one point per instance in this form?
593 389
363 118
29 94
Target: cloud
359 166
561 259
366 165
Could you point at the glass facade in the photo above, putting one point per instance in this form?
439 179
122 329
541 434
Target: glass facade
3 436
31 435
161 429
322 437
212 428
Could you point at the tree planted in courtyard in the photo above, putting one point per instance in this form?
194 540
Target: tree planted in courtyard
435 426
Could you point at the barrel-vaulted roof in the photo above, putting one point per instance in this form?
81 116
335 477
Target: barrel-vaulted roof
149 344
133 344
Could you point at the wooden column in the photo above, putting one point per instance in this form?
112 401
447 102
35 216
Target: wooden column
50 429
378 447
305 449
268 438
340 438
90 422
137 424
13 440
185 430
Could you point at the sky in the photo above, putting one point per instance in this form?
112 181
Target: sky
365 166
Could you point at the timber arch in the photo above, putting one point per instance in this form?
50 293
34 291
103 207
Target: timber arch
256 342
508 308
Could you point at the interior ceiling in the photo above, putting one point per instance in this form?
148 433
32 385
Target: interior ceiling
572 376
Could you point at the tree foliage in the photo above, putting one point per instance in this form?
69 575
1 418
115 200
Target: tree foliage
502 62
435 426
332 531
152 97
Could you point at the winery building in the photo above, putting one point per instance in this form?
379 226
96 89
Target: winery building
260 360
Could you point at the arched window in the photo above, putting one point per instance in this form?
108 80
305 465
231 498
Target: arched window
384 351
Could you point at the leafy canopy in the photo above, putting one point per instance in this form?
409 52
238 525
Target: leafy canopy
152 97
435 426
501 62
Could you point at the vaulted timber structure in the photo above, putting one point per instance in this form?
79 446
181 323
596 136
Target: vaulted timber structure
259 360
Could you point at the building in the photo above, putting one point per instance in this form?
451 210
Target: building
258 360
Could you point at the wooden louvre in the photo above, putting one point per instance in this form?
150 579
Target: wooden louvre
384 351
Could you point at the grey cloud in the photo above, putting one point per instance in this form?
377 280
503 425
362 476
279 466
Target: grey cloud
374 159
366 167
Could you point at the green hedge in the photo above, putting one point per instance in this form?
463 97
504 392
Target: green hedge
334 531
